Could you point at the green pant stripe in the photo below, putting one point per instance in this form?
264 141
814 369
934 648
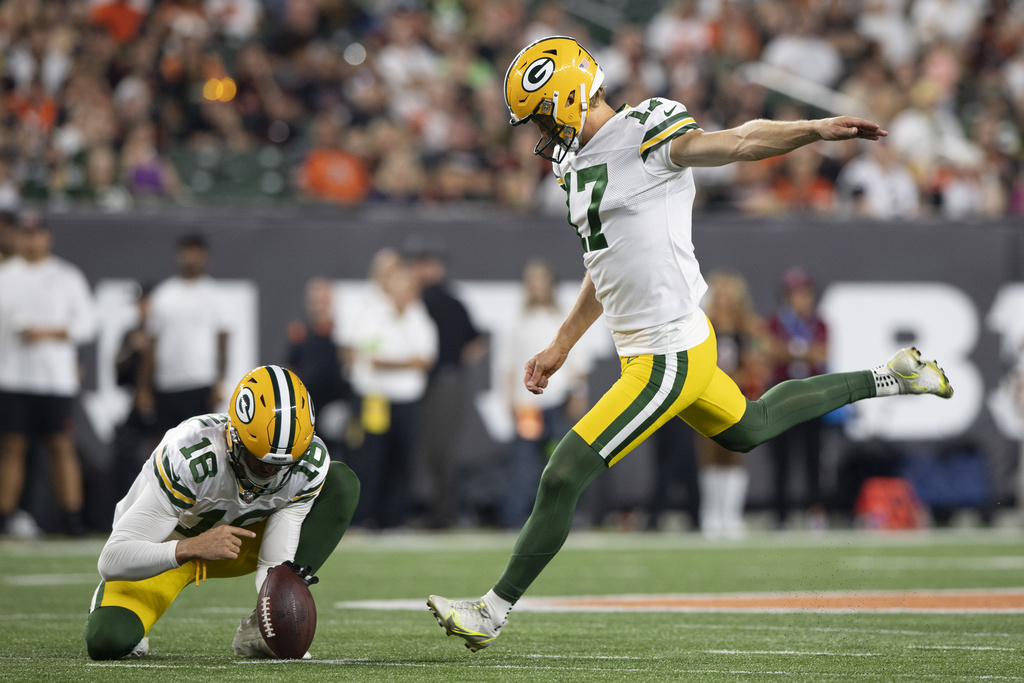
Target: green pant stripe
652 402
682 365
633 409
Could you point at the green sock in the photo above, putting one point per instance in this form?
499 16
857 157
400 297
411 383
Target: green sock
792 402
329 517
572 467
112 632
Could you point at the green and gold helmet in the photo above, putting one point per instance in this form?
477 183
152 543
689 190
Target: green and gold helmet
270 429
553 77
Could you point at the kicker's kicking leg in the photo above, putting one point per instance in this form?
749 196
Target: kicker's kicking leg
796 401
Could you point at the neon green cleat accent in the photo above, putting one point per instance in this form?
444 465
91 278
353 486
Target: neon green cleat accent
468 619
916 376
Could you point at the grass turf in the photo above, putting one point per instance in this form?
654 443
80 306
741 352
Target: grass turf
45 589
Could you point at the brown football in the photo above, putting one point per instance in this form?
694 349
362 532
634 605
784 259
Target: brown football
286 613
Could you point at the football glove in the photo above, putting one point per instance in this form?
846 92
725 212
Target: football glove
305 573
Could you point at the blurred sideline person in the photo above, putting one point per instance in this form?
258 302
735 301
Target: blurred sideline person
799 350
221 496
313 352
629 185
46 311
742 345
355 319
183 369
541 420
675 467
443 410
394 347
138 426
8 235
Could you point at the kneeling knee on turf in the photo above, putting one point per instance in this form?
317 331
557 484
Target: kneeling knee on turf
112 633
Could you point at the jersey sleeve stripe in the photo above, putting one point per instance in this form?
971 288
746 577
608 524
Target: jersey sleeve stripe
178 494
678 124
308 493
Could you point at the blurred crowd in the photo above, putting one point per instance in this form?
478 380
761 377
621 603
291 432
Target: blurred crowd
117 103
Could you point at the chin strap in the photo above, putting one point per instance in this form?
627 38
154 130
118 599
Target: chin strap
584 107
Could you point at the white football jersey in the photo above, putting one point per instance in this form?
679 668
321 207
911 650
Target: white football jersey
192 477
631 207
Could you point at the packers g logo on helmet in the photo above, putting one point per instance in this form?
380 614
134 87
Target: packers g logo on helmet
553 77
245 405
538 73
273 415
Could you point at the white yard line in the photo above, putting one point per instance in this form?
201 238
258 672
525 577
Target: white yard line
32 580
829 629
775 603
943 564
796 653
960 647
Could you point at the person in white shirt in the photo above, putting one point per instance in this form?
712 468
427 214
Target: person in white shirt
46 311
183 368
877 184
222 495
394 346
629 187
541 420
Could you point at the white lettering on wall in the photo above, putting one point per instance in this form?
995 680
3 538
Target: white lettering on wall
868 322
1006 318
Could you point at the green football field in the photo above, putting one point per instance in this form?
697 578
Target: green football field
847 606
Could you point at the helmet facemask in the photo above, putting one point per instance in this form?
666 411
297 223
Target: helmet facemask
252 483
561 138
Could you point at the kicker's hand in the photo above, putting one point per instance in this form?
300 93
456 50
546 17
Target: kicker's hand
219 543
540 368
849 127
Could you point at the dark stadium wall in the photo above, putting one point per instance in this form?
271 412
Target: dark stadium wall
954 290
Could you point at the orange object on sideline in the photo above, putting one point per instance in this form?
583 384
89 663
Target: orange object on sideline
889 503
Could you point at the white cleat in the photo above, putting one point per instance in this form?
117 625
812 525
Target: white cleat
249 641
916 376
469 619
141 649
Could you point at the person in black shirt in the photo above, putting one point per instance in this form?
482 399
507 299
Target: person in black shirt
460 345
314 355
